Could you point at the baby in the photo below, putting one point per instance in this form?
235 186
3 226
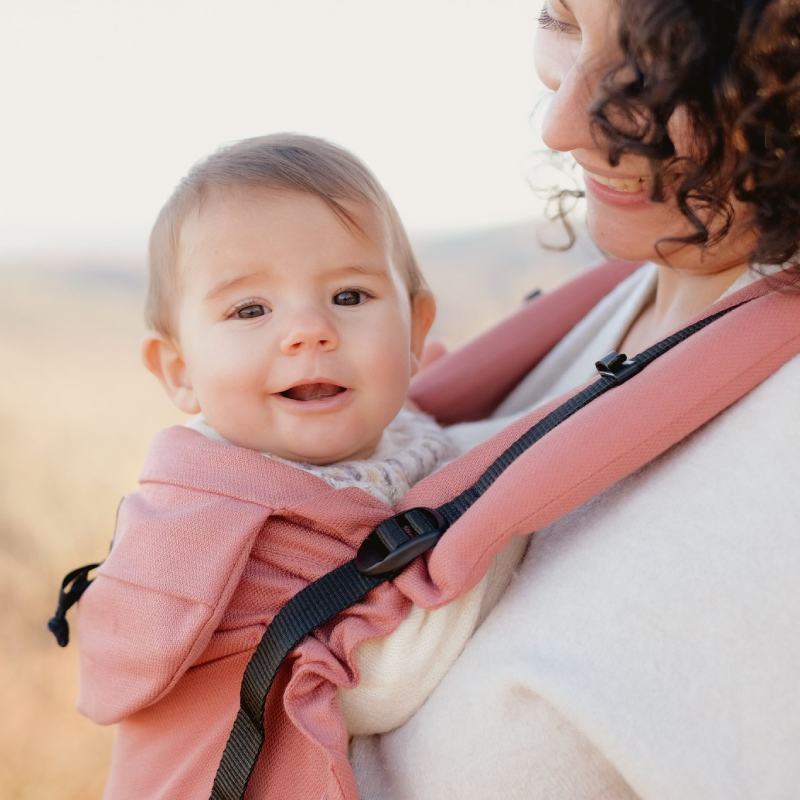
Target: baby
287 308
288 313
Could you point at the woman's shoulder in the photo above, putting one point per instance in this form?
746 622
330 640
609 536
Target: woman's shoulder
771 407
671 596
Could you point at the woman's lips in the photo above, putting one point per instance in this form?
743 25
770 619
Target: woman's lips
618 191
627 185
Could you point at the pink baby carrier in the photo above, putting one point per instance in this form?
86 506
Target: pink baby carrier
288 739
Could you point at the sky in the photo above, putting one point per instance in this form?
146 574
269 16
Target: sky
107 103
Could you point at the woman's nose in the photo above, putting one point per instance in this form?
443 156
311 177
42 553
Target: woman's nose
308 331
566 125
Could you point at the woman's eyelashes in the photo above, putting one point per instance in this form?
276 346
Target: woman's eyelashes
549 23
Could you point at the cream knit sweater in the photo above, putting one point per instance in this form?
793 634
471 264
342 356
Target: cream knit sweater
650 643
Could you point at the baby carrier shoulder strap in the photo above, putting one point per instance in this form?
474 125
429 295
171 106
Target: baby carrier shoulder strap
470 382
393 545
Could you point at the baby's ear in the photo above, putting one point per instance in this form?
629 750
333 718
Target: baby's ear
162 356
423 312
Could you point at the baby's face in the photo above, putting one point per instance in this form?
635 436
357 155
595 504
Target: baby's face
297 332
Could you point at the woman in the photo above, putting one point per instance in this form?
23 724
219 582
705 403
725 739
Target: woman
649 645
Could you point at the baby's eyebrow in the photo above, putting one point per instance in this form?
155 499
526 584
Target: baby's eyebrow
228 283
359 269
347 269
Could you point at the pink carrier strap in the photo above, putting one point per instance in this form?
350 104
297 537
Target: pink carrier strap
601 436
471 382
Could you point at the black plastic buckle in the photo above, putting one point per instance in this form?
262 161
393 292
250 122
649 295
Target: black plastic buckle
618 367
397 541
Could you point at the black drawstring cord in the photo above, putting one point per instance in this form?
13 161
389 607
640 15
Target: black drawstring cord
67 597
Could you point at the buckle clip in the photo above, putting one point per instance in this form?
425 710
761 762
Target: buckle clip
398 540
618 367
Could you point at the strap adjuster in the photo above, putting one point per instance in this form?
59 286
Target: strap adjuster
397 541
618 367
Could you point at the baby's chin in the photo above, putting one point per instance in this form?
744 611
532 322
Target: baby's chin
316 456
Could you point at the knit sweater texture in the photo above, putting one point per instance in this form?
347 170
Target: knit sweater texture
649 644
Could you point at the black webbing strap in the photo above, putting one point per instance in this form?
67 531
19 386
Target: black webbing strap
73 586
384 553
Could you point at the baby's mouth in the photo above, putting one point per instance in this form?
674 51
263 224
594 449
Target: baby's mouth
313 391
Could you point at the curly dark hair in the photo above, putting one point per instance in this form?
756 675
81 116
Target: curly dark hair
733 69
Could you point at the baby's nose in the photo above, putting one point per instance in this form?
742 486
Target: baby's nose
307 332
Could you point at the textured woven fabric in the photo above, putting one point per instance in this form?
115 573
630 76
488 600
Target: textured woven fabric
313 527
412 446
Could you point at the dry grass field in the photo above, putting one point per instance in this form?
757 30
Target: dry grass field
77 412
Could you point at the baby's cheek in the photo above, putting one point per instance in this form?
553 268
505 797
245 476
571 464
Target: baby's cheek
393 371
228 389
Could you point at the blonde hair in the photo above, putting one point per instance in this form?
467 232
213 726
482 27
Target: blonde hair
279 161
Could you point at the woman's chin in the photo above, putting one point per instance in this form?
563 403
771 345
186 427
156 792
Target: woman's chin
624 236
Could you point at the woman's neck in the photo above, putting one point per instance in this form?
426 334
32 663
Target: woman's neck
680 295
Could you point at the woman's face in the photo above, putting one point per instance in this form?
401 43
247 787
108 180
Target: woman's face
575 46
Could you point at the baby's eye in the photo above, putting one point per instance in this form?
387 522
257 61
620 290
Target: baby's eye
349 297
250 311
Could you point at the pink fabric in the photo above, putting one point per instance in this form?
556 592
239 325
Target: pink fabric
219 537
471 383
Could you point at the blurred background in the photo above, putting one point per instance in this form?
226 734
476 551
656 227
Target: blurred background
105 104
